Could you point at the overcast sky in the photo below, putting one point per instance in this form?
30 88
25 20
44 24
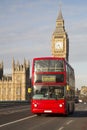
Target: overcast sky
26 28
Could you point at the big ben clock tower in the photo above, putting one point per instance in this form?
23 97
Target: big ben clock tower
60 41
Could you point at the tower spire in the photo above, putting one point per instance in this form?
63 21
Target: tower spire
60 16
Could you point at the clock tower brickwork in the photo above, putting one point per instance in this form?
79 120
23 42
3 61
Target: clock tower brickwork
60 41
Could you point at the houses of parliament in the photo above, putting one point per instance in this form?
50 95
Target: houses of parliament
15 87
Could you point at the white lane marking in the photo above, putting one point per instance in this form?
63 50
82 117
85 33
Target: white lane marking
13 110
16 121
69 122
61 128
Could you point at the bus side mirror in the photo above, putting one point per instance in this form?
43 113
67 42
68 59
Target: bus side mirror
68 87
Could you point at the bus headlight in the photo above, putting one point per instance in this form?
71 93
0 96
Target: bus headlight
35 105
60 105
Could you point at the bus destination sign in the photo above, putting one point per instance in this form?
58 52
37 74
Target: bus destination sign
48 78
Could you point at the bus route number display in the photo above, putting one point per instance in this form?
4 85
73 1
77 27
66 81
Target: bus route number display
48 79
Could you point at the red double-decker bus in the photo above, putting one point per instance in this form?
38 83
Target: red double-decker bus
53 83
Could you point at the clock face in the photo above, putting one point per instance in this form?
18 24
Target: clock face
59 46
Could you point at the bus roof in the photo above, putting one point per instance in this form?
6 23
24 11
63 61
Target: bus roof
39 58
42 58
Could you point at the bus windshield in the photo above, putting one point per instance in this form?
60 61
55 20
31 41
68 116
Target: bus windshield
48 92
49 65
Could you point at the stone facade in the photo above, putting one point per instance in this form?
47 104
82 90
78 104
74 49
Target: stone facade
15 87
83 90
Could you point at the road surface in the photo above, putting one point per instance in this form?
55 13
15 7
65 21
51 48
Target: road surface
20 117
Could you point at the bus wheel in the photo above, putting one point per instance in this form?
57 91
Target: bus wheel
73 109
67 112
66 115
38 114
